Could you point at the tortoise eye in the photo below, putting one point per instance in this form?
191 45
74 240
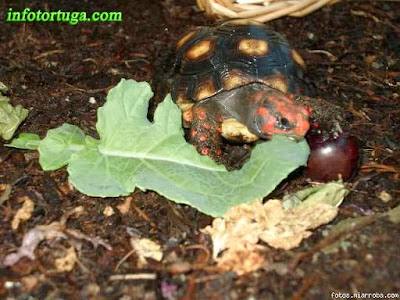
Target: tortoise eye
285 122
282 123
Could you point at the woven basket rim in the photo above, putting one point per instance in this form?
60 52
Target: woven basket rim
261 10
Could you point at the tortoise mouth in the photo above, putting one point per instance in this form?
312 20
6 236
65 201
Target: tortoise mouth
292 137
296 138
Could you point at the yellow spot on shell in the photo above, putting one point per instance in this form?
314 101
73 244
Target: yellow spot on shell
234 79
278 83
183 103
200 49
205 89
253 47
298 59
185 39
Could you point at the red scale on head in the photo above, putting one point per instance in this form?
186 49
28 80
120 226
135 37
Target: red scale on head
302 126
262 111
269 124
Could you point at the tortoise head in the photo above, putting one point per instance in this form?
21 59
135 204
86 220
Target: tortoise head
272 112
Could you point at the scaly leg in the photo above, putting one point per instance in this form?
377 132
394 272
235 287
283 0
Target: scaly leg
205 131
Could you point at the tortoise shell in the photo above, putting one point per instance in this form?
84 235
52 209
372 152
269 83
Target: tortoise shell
209 60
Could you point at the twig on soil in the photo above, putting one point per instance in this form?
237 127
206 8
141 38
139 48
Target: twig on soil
358 113
364 14
331 57
138 276
211 277
200 247
122 260
143 215
74 88
380 168
48 53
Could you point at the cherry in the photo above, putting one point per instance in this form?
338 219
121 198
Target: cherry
332 156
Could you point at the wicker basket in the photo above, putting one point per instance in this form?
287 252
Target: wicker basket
261 10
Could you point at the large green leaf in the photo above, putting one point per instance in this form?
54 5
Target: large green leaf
134 152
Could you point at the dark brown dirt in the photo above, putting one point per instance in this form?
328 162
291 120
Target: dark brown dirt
352 50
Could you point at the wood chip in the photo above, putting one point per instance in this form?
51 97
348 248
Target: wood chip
24 213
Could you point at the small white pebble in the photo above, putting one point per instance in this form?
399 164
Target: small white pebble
369 257
93 289
310 35
11 284
113 71
24 87
92 100
385 196
378 37
67 99
108 211
376 65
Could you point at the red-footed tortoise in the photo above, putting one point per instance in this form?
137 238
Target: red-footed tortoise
235 82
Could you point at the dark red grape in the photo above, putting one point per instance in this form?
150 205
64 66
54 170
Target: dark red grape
332 156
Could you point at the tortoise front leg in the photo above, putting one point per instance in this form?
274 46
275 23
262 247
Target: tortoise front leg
205 130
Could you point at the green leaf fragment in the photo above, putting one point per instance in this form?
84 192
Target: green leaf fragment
394 215
3 88
10 117
331 193
30 141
